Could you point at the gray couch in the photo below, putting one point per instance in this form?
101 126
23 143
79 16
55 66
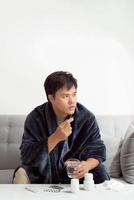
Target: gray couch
113 128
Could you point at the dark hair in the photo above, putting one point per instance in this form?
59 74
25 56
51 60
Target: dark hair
57 80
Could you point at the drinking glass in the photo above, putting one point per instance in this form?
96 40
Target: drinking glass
70 165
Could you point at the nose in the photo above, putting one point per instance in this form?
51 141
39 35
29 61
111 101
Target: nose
71 100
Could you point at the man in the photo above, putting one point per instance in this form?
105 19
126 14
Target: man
58 130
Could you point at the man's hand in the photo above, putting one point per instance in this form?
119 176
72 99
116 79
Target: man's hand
81 169
85 167
64 130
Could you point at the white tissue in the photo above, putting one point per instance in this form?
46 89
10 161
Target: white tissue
113 185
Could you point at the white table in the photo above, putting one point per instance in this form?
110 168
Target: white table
18 192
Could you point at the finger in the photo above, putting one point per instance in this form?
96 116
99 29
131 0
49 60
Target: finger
68 131
67 126
68 121
79 167
80 174
65 123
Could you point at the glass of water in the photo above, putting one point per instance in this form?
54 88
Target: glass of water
70 165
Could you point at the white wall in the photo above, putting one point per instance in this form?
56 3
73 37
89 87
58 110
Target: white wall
93 39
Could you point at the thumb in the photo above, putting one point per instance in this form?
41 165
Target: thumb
70 119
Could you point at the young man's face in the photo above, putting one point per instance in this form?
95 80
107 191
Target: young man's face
64 101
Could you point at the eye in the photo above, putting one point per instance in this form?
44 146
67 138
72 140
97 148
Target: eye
65 96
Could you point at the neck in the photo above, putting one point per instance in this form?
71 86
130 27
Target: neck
59 114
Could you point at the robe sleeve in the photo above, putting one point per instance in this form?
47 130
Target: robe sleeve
34 147
93 146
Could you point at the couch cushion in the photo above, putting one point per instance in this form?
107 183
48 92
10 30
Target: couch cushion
127 155
6 176
113 129
112 154
115 167
11 130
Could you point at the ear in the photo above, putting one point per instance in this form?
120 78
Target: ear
51 98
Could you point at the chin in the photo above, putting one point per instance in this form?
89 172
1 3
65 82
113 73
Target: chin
71 112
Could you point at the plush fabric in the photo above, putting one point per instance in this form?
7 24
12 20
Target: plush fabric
6 176
83 143
129 131
127 155
118 164
113 154
11 128
123 161
115 167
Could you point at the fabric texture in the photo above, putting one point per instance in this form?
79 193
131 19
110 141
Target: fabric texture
6 176
84 142
11 129
127 155
115 167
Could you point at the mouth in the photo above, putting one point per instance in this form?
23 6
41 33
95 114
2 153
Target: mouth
71 107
